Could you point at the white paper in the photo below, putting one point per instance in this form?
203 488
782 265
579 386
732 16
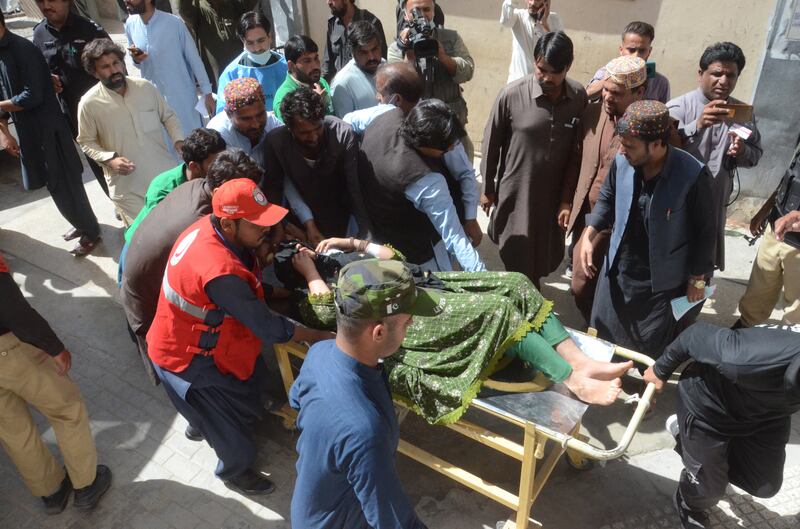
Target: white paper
682 305
201 106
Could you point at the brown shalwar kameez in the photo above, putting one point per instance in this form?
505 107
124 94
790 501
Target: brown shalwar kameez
527 145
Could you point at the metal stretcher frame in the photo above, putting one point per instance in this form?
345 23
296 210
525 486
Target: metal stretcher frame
537 438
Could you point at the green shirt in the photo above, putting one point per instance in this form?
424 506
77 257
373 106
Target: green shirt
290 85
156 191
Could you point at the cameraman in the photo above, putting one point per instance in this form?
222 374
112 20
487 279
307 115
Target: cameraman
452 64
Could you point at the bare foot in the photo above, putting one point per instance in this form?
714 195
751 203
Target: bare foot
593 391
601 370
587 365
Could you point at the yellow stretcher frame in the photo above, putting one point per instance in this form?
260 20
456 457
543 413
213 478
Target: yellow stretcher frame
533 449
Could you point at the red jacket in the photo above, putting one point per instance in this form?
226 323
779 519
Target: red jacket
199 256
3 265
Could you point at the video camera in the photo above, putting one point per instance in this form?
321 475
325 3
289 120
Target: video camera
420 36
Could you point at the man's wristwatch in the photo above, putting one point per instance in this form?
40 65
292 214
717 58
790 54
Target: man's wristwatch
698 283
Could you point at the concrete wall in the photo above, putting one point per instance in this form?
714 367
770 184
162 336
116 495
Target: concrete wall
683 29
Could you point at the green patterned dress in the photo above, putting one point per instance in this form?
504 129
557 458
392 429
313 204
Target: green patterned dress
444 359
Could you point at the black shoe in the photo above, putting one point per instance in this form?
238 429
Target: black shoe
56 502
250 483
87 497
689 519
192 433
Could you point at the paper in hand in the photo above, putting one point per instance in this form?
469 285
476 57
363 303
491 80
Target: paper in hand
682 305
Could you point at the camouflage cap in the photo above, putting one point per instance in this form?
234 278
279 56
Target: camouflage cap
374 289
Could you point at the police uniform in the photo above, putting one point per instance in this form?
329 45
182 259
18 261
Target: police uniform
62 49
776 269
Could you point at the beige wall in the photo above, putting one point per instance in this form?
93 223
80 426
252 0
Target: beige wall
683 29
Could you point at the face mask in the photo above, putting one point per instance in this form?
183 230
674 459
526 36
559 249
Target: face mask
258 58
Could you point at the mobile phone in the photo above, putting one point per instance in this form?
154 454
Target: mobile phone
651 69
738 112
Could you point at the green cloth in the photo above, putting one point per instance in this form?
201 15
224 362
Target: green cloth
290 85
444 359
537 350
158 189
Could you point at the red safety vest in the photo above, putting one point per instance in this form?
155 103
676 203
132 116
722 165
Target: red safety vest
198 257
3 265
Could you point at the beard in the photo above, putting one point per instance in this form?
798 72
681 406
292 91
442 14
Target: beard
114 82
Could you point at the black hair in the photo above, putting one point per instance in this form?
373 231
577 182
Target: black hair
402 79
96 49
200 144
556 49
302 103
722 52
643 29
2 19
297 46
360 34
252 20
431 124
233 163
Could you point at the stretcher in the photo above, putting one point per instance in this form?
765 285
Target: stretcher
550 420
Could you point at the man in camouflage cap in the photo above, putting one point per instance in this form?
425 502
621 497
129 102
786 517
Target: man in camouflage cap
655 200
348 429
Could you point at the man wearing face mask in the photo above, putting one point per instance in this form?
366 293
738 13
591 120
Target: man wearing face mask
527 25
257 60
315 160
527 144
708 134
354 85
302 58
245 121
211 322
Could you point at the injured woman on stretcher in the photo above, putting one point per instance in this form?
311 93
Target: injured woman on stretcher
487 319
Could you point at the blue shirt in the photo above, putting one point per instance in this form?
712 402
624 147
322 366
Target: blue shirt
270 76
233 138
346 475
431 196
353 89
456 159
173 63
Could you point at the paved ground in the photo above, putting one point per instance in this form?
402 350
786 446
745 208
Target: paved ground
161 480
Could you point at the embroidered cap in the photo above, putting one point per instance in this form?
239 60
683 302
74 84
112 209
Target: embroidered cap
629 71
648 120
241 198
241 92
374 289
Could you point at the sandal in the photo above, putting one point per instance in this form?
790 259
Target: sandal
84 246
72 233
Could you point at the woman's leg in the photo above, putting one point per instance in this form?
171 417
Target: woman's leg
536 348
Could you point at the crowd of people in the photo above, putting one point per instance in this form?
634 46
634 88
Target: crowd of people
262 187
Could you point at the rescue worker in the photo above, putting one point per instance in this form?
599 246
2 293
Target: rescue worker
211 323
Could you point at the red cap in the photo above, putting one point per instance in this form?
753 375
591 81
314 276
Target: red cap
241 198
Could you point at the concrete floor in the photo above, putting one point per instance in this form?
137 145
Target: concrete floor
163 480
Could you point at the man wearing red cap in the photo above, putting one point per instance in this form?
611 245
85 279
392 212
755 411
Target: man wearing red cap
211 322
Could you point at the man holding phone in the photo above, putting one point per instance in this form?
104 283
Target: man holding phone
708 131
637 40
527 25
